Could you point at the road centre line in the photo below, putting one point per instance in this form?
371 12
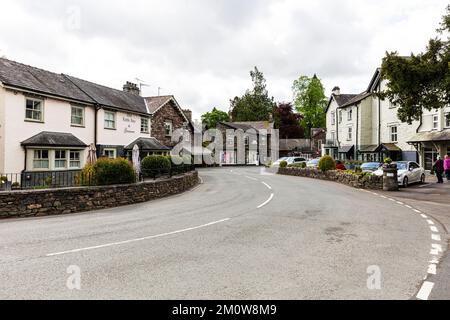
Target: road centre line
267 202
269 187
136 240
425 291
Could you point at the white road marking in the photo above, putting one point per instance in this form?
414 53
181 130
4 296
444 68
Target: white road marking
137 240
432 269
390 199
437 247
417 211
409 207
436 237
269 187
384 197
267 202
400 203
431 223
424 216
251 178
434 229
434 261
425 291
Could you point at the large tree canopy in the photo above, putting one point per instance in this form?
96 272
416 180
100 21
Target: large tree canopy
288 122
255 105
310 101
211 119
422 80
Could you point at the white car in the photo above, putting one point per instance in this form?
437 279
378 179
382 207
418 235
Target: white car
290 161
314 163
408 172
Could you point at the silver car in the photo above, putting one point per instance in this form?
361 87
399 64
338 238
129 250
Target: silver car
408 172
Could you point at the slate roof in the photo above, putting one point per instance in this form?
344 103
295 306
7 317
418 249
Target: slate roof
391 147
431 136
256 125
154 103
342 99
148 144
40 81
345 149
111 97
54 139
25 77
356 99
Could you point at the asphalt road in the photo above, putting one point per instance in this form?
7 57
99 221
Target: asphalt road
240 235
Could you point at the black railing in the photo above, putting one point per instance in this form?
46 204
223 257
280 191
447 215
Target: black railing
166 173
74 178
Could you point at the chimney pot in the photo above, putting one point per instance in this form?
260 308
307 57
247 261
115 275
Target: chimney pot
336 91
132 88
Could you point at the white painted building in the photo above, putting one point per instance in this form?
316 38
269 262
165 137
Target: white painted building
48 121
365 127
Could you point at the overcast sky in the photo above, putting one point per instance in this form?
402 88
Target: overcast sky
201 51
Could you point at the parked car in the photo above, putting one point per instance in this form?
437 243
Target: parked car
340 165
277 163
290 161
370 167
313 163
408 172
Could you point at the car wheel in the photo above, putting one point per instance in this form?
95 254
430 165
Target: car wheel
405 182
422 179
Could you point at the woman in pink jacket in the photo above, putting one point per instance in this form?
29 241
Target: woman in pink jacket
447 167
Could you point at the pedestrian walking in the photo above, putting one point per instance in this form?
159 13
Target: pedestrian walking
438 168
447 167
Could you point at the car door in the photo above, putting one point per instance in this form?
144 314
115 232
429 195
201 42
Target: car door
415 172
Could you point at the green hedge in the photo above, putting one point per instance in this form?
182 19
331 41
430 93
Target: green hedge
283 164
327 163
109 172
151 164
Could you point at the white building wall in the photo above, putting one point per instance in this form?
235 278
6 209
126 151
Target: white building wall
2 129
57 118
331 125
128 129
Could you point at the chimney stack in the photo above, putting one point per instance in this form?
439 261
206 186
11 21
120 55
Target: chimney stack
336 91
188 114
132 88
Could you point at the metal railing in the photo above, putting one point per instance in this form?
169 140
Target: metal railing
165 173
74 178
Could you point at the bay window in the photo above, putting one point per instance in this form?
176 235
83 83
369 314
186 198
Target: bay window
60 159
75 159
41 159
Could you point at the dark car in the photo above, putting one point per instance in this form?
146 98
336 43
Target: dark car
340 165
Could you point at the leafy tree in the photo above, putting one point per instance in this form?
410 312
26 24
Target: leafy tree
419 81
310 101
288 122
211 119
255 105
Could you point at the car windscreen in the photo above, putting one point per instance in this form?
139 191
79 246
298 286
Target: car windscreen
373 166
402 166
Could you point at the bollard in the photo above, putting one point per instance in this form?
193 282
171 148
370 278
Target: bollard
390 177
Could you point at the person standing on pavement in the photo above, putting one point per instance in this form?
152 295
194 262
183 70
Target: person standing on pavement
447 167
438 168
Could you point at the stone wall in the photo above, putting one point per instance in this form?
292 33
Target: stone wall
64 201
357 181
169 112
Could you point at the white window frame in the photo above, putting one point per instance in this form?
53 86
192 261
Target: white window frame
341 118
447 119
73 160
33 110
72 116
350 115
41 159
393 135
109 121
169 124
108 150
435 121
333 118
349 133
145 128
59 159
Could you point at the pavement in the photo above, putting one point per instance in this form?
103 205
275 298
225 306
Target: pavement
243 234
434 200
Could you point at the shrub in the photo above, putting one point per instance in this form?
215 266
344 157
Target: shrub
283 164
3 179
151 164
327 163
87 177
388 161
15 185
113 171
298 165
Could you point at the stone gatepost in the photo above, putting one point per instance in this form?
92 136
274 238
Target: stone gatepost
390 177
